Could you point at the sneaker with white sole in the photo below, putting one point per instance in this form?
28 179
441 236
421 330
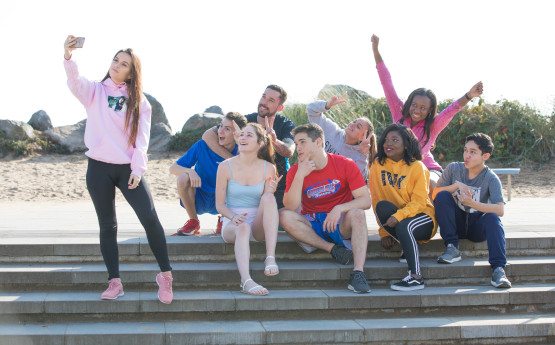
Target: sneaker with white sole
165 292
342 254
402 258
408 283
452 254
114 290
358 282
499 279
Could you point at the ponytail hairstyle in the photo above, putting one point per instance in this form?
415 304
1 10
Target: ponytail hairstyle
135 91
430 117
373 146
266 151
412 148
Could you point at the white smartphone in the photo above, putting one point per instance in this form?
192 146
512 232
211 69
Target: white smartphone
79 43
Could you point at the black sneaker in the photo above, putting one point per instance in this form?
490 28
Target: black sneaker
358 283
402 258
409 283
341 254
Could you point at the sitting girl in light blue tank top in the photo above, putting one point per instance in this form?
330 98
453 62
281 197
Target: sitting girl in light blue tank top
245 189
238 195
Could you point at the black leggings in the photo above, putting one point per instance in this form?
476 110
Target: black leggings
407 232
102 178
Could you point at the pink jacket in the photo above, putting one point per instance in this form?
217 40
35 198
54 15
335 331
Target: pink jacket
104 135
396 106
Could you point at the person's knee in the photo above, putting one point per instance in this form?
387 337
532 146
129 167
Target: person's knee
286 217
442 197
268 199
243 230
108 229
183 181
356 216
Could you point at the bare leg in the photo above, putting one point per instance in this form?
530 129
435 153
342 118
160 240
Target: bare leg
265 224
187 195
240 236
299 228
353 223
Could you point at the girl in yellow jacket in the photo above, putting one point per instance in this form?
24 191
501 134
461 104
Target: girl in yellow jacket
399 186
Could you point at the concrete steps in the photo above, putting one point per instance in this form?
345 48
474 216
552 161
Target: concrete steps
506 329
293 274
50 294
140 305
211 248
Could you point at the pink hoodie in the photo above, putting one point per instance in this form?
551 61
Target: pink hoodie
396 106
104 135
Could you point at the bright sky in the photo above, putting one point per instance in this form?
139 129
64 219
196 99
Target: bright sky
201 53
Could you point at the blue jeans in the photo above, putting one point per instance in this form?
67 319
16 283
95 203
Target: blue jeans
455 224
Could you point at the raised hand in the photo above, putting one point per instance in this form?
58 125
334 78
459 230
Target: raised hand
476 90
237 131
271 184
68 46
335 101
364 146
377 55
375 42
269 124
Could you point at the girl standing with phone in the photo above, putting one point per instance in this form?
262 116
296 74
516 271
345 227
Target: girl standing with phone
117 136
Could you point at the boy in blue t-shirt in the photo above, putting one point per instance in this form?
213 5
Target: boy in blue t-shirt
469 203
196 173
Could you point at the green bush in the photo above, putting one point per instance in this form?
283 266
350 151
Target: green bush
39 144
521 135
182 141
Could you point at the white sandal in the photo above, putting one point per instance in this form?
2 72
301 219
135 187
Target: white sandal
249 291
267 271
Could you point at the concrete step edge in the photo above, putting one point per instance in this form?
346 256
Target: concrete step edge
478 329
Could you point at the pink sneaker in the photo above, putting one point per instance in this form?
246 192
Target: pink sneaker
165 293
114 290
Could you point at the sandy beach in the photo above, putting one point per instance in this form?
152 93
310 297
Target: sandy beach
55 177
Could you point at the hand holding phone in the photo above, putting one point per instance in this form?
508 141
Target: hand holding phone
79 42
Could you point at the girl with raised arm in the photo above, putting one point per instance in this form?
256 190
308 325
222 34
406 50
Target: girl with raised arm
357 141
245 187
117 135
419 112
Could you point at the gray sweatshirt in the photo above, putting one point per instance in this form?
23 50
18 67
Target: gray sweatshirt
335 137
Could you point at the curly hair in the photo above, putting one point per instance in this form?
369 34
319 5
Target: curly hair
412 147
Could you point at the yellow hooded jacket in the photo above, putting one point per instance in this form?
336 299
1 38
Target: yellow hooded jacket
406 186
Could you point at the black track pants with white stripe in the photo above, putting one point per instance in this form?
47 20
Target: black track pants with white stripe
407 232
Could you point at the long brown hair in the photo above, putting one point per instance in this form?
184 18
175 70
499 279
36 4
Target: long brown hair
430 117
135 91
266 151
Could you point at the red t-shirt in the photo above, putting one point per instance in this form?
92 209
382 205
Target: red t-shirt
324 189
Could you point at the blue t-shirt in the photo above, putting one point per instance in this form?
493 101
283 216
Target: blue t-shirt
205 162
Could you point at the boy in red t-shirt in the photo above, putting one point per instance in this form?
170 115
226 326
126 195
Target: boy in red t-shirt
333 196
